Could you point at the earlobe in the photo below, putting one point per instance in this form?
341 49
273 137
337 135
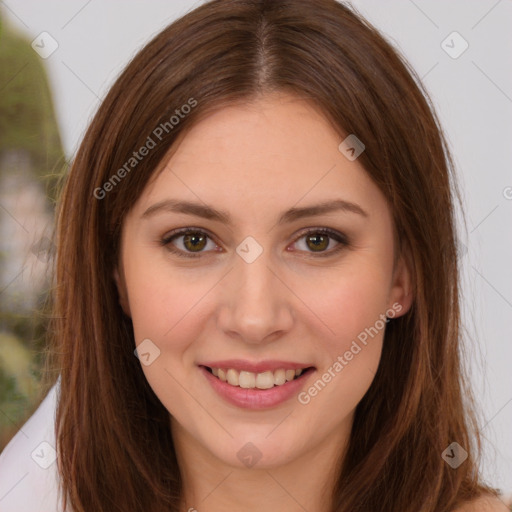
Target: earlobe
402 290
122 292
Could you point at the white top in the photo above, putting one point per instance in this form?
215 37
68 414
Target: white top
28 466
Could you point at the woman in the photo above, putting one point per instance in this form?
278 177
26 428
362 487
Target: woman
257 284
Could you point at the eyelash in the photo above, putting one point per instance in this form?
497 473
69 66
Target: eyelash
337 236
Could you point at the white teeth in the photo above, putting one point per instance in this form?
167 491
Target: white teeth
279 377
246 380
232 376
251 380
265 380
290 375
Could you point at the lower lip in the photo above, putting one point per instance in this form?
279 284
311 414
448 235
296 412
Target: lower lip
257 398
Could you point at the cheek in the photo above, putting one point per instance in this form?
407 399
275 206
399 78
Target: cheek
164 308
349 303
354 311
162 300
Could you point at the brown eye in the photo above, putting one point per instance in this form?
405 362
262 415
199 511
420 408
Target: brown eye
188 243
194 242
317 242
320 241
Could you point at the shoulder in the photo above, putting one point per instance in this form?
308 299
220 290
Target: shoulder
484 504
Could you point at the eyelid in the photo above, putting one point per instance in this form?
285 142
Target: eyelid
184 231
324 230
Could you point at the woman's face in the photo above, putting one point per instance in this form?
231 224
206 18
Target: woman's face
258 289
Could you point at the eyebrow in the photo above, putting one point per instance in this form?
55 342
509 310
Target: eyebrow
210 213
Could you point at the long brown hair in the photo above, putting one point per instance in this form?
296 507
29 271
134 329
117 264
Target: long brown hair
115 446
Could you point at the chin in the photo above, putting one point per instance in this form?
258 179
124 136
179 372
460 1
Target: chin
252 451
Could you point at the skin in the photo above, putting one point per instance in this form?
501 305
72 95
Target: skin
255 161
484 504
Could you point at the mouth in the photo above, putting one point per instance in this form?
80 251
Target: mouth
267 379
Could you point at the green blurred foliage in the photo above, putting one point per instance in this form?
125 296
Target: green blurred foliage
19 385
27 124
27 118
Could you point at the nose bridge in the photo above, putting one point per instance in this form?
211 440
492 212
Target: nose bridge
256 304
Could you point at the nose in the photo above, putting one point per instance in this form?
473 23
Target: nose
255 304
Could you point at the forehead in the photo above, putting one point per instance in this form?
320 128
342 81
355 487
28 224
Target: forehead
274 130
271 152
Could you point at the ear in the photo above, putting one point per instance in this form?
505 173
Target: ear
401 294
122 291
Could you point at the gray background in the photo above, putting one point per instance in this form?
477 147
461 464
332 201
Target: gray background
473 97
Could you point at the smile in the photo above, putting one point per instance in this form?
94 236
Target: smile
251 380
266 386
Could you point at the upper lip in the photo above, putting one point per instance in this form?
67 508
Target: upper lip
255 367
